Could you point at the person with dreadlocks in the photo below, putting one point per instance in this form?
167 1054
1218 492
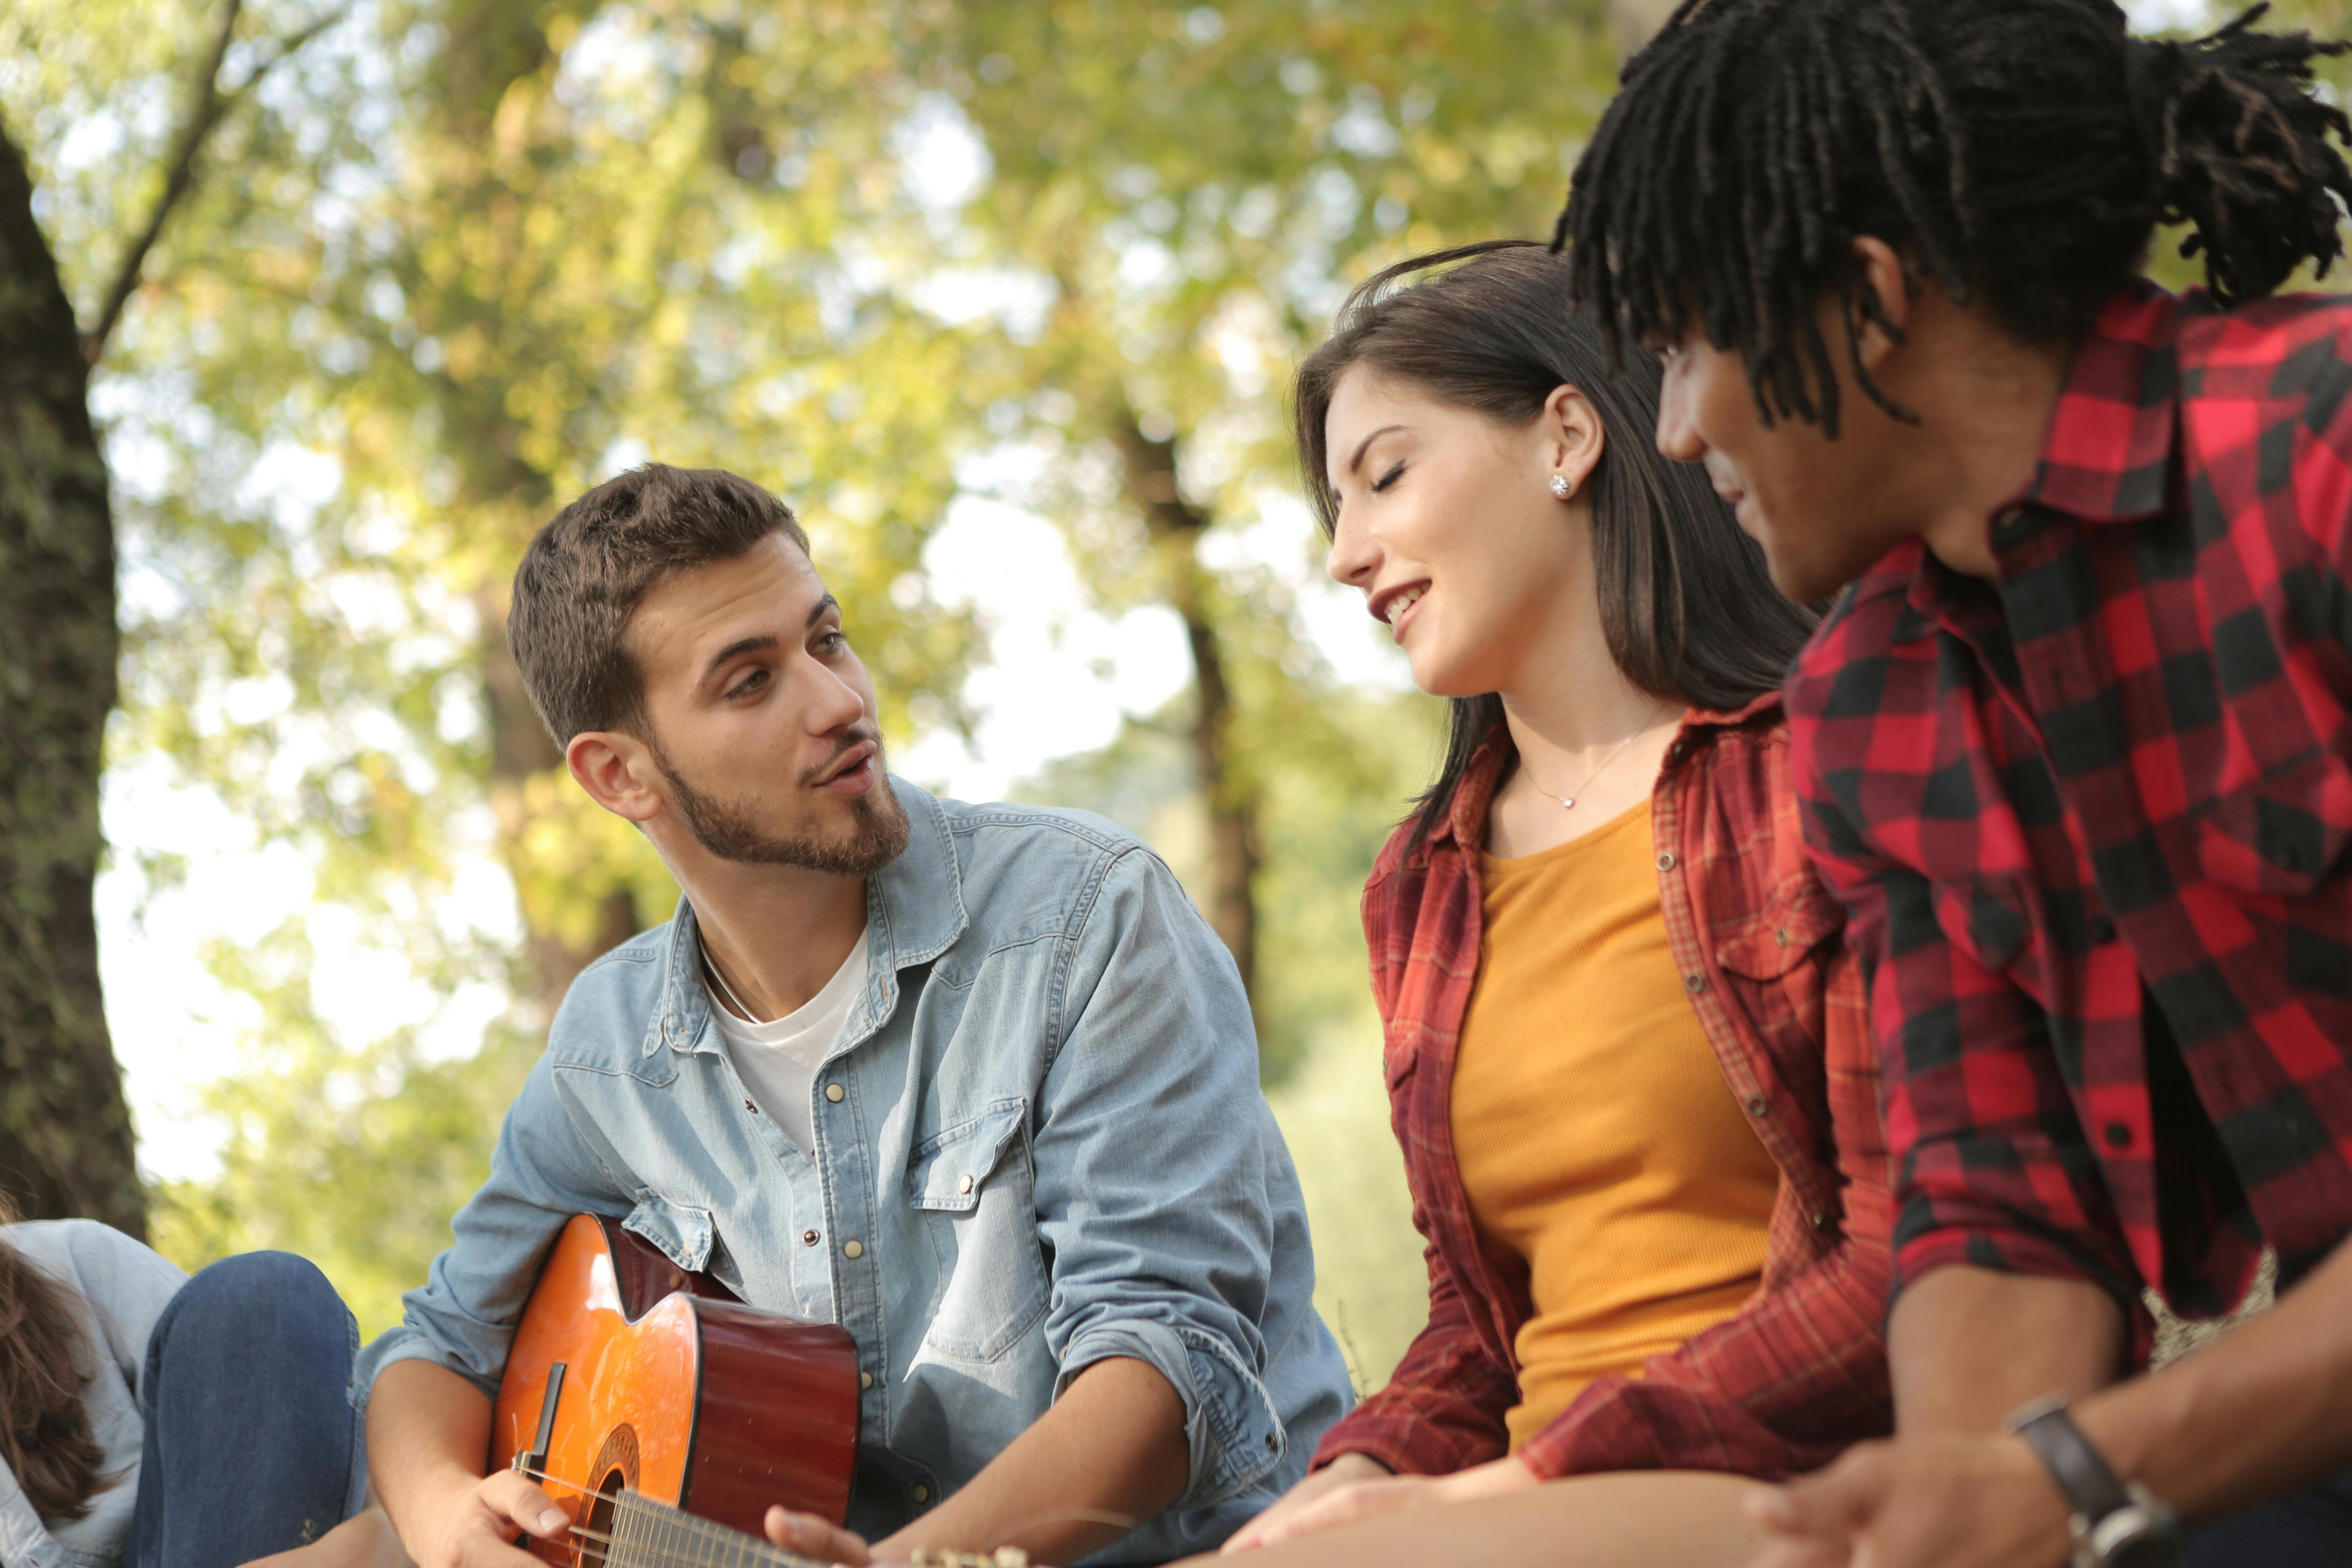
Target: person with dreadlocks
2076 746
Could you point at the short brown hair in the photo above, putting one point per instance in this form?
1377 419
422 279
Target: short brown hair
584 573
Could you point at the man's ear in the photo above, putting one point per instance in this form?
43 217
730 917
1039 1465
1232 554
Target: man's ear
617 771
1573 436
1881 279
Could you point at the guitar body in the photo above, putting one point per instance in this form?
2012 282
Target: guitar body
673 1389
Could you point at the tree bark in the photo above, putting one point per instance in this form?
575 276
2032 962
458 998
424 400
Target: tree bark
1175 526
64 1127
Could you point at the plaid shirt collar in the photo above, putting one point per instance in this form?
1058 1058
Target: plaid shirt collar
2102 462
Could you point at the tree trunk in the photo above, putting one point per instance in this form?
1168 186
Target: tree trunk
492 44
64 1127
1175 527
521 750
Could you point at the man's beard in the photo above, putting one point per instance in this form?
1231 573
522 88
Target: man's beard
731 831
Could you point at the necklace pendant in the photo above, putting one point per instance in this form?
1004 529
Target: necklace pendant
1567 805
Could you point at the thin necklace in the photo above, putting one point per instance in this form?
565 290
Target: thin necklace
1567 801
726 990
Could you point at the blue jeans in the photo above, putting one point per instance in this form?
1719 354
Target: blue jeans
252 1445
2312 1529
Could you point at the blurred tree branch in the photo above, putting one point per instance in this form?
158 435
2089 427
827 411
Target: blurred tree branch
210 105
1232 799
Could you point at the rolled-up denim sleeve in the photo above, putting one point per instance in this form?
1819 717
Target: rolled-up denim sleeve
1151 1149
544 1171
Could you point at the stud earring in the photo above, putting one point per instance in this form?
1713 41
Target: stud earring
1560 487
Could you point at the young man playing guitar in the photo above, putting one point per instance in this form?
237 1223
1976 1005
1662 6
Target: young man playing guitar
976 1083
2076 747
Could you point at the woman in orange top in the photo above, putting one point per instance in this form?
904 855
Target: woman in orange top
1624 1040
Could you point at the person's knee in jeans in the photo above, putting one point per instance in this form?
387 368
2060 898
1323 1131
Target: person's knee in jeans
260 1333
262 1293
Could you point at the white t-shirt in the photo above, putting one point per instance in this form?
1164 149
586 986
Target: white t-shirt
778 1061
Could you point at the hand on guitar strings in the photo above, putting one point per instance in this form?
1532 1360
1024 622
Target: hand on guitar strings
479 1523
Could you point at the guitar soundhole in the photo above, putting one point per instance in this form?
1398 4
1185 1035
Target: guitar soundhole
619 1453
616 1467
595 1543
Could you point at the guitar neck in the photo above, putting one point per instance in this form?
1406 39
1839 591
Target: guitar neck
650 1534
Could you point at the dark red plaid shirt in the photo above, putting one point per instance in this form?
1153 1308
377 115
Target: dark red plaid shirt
1802 1371
2117 780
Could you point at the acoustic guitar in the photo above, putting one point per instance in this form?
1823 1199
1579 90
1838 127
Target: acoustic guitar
665 1415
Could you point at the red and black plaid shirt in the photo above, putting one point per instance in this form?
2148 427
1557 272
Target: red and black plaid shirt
1802 1371
2092 822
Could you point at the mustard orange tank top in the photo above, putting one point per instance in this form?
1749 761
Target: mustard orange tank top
1596 1136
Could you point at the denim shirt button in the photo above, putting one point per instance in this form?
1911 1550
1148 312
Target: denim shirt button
808 1239
963 1183
833 1093
922 1494
865 1379
853 1248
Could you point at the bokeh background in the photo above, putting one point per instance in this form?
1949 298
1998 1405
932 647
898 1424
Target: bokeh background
1002 295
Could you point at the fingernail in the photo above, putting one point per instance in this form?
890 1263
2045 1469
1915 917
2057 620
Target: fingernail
550 1520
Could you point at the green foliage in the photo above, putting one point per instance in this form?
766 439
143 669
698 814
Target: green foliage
355 1158
464 257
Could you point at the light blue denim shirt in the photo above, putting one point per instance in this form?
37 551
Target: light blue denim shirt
1045 1013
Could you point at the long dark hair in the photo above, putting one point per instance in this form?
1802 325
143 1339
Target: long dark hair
2020 152
45 1434
1688 611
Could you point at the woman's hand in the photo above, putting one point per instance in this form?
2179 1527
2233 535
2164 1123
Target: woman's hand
806 1535
1368 1491
1273 1524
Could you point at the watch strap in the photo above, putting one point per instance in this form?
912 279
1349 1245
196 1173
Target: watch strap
2091 1487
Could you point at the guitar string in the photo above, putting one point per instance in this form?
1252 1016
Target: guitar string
706 1531
654 1513
703 1532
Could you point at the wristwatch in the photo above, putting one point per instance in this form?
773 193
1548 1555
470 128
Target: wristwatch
2116 1523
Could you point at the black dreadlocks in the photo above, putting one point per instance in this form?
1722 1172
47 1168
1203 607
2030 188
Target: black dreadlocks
2018 152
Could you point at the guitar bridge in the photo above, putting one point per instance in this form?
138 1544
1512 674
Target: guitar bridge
532 1461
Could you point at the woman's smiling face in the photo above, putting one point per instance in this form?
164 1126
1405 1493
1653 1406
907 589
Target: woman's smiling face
1448 524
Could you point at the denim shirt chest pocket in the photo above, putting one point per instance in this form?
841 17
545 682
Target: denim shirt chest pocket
682 1233
973 1186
